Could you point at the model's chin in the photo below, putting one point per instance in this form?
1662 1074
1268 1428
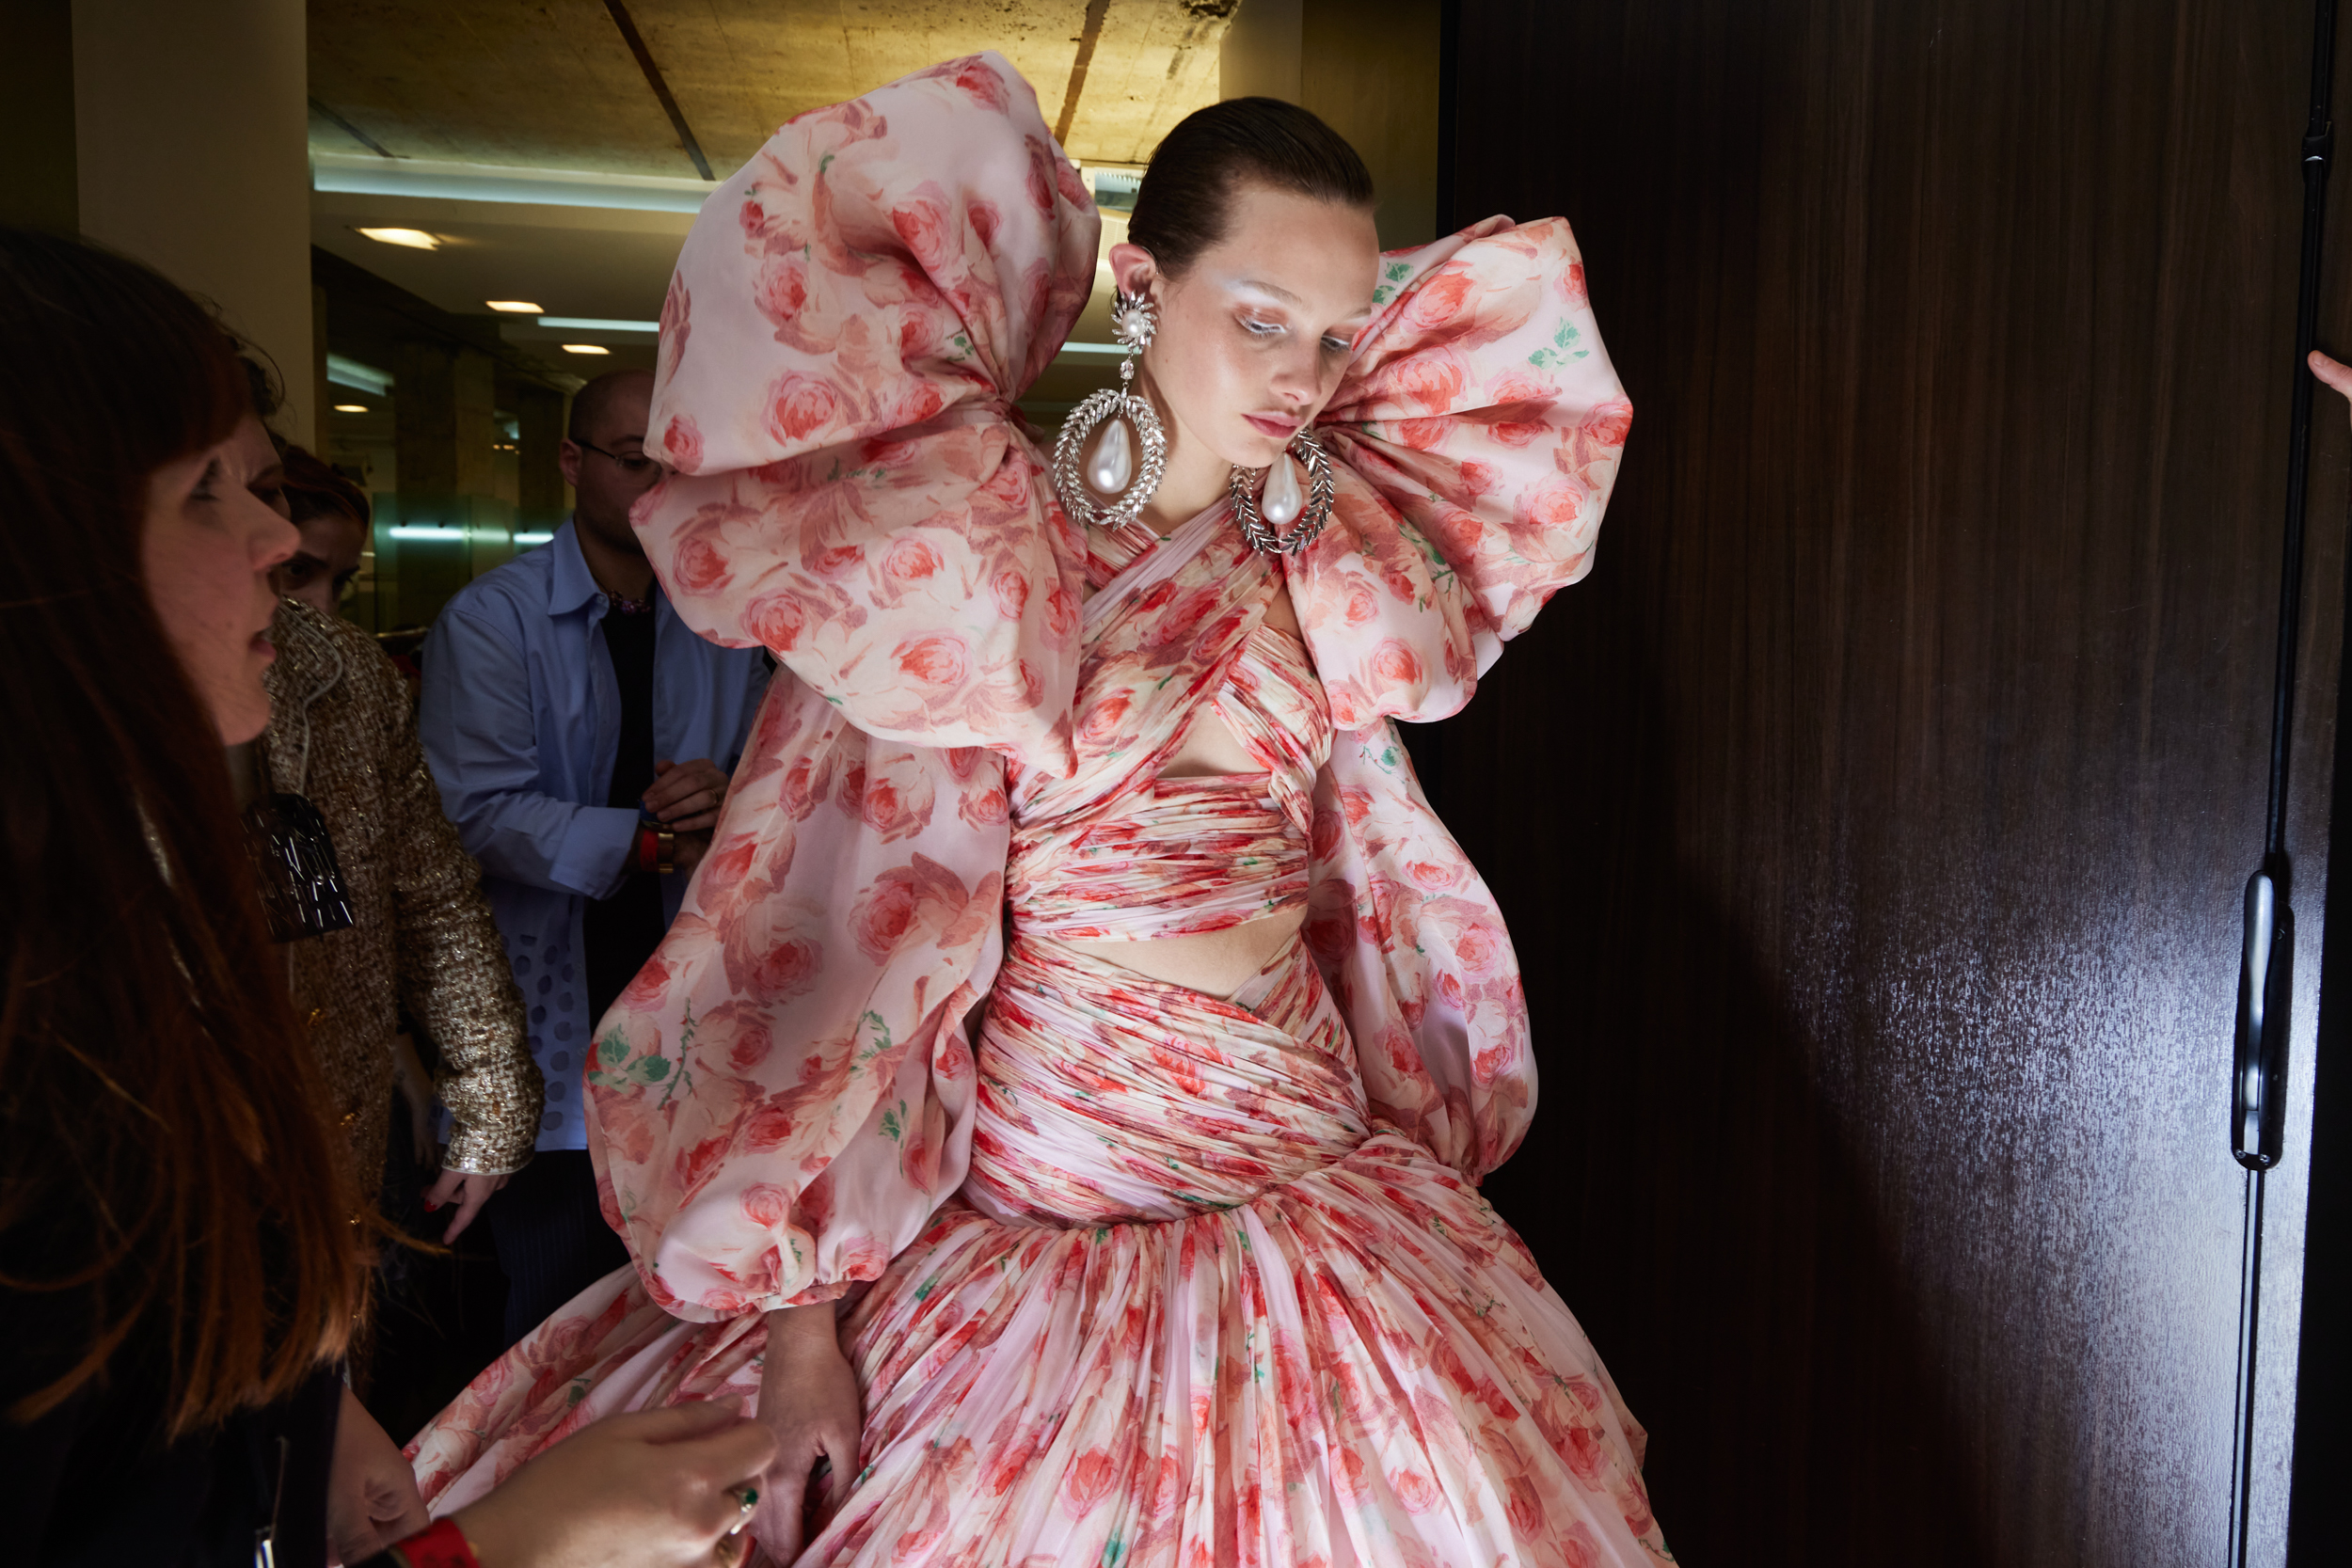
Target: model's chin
1253 451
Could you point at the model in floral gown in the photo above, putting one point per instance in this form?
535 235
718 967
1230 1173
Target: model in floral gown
1128 1269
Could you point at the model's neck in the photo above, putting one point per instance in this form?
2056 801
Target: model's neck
617 570
1194 480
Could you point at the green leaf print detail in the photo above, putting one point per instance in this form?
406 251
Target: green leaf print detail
645 1071
894 1123
923 1291
881 1045
1558 353
1392 276
613 1049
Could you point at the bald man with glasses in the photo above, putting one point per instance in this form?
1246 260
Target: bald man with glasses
582 736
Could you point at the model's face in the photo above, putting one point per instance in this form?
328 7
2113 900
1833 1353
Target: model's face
207 547
1254 336
327 562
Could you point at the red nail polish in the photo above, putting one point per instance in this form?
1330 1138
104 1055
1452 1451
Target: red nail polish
430 1206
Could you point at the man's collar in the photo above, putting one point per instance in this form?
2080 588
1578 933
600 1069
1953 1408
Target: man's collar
571 586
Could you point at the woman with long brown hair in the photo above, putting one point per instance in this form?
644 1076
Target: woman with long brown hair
180 1247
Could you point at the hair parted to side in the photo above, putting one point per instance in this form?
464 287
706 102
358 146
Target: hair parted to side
1181 207
164 1149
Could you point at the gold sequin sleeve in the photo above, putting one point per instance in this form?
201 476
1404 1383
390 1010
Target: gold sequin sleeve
453 976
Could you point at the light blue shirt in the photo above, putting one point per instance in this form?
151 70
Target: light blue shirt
521 722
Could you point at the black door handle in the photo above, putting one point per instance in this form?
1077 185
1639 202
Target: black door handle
2265 1005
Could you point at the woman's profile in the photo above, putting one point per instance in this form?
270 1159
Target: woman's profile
1058 1108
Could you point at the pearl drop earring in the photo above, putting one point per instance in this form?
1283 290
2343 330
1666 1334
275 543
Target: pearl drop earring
1105 487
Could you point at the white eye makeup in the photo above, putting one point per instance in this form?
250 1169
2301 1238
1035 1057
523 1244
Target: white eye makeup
1269 306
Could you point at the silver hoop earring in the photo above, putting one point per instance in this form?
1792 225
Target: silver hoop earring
1111 487
1263 517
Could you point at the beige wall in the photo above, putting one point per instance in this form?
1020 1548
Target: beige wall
1259 58
1369 68
190 147
36 116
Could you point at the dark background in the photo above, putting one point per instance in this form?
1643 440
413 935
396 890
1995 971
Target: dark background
1871 823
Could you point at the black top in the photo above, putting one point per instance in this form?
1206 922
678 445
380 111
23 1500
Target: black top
94 1485
623 930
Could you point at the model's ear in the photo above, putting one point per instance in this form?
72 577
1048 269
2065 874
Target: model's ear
1133 268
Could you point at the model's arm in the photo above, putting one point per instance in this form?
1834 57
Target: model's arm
453 975
482 747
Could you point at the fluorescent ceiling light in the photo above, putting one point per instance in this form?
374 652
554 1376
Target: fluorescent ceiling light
414 239
585 348
1093 348
512 306
350 372
599 324
535 537
351 408
426 531
548 187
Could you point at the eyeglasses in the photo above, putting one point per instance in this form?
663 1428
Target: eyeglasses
635 465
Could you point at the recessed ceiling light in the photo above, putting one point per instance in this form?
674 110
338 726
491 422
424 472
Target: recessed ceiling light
518 307
351 408
585 348
415 239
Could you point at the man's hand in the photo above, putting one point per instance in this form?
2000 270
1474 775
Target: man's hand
468 1192
685 795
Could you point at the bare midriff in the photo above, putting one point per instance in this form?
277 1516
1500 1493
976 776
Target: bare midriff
1216 963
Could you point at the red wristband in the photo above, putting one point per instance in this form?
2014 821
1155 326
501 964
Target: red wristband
648 857
442 1545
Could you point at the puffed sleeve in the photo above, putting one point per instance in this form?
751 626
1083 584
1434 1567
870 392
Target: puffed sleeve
850 318
1476 439
785 1094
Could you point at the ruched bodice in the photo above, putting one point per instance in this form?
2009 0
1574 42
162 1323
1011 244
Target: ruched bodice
1177 856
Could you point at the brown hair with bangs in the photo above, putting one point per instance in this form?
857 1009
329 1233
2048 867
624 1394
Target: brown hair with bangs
164 1158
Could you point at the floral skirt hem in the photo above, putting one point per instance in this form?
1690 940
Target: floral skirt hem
1362 1366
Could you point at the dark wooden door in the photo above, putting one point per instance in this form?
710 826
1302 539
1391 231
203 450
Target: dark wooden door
1872 822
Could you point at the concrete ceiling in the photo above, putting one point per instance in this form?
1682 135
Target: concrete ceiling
553 83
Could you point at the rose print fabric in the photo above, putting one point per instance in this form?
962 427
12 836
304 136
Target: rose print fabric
1156 1277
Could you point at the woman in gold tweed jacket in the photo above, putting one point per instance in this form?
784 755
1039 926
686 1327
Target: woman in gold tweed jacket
342 732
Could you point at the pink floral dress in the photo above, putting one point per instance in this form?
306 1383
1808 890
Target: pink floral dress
1148 1276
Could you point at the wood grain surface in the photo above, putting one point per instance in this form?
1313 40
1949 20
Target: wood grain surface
1873 823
